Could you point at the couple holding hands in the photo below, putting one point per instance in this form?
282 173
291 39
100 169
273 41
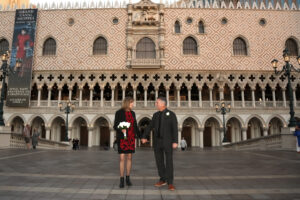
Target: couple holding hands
165 139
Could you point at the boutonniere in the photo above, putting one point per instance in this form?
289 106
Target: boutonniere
168 113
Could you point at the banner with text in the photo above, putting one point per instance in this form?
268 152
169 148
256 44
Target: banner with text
19 82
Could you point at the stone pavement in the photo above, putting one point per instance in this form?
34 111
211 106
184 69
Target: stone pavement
93 174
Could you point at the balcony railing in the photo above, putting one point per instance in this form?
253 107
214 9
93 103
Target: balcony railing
172 104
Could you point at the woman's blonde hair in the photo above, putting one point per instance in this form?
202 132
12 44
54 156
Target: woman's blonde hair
126 103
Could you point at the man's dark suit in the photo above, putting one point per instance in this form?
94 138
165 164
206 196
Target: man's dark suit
165 134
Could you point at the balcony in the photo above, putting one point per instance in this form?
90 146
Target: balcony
172 104
145 63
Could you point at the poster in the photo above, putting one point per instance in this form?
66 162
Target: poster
19 82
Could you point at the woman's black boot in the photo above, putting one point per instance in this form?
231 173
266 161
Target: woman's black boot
128 182
121 182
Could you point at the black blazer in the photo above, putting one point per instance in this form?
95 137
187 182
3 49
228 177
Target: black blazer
121 117
169 128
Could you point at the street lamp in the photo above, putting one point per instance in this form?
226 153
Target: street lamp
286 70
6 70
68 109
223 109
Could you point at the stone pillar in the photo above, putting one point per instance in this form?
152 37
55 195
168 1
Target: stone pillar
284 97
211 98
265 131
168 99
201 137
123 92
178 97
243 97
48 133
221 93
90 137
102 97
70 93
264 97
111 137
39 97
253 98
80 96
113 97
244 134
134 97
189 98
91 97
179 136
232 97
274 97
59 95
145 98
200 98
156 93
151 138
49 96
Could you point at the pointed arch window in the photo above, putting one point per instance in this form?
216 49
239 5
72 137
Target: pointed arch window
145 49
190 46
292 46
239 47
100 46
49 47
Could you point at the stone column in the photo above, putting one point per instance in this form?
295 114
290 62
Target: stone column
284 97
200 98
265 131
201 137
90 136
134 97
244 134
80 96
264 97
253 98
274 97
102 97
39 97
49 96
145 98
243 97
70 93
91 97
156 93
211 98
178 97
179 136
221 93
232 97
48 133
59 95
111 137
123 92
168 99
113 97
189 98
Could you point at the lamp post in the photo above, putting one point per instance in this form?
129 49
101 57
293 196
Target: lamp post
223 109
68 109
286 70
6 70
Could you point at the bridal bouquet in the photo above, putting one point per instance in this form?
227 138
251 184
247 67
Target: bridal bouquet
124 125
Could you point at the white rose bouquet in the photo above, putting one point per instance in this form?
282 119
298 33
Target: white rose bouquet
124 126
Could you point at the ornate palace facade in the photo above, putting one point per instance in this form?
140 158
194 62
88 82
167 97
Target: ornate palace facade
194 53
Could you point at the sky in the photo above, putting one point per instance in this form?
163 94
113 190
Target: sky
64 1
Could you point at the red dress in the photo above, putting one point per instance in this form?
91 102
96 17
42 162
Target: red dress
128 145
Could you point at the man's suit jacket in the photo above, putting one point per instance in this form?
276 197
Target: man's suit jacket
169 128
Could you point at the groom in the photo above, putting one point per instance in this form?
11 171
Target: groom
165 139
